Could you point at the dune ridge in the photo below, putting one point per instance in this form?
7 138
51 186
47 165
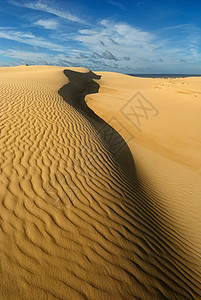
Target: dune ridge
73 225
166 145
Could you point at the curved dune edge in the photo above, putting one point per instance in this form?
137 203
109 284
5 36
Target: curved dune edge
166 145
72 225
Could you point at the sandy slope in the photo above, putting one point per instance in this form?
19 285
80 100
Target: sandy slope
80 219
166 146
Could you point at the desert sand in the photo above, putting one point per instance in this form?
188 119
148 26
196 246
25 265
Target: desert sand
100 192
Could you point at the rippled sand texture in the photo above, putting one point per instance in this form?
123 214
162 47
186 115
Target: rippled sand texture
73 225
160 121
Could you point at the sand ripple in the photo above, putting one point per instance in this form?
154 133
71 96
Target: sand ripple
72 226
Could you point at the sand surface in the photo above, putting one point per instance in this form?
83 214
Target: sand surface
100 193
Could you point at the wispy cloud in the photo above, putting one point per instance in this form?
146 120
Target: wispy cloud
35 48
108 55
30 39
46 7
179 26
142 48
139 4
93 60
116 37
6 28
94 55
185 38
107 44
116 3
47 24
27 55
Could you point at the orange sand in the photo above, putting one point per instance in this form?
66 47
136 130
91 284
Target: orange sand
99 197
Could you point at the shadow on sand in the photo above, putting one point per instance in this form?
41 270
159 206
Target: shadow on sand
74 92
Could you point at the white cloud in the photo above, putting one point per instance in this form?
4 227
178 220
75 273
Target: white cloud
36 57
143 48
94 55
116 3
113 34
25 55
104 43
139 4
47 24
119 39
30 39
180 26
46 7
6 28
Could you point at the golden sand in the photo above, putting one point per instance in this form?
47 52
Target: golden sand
100 192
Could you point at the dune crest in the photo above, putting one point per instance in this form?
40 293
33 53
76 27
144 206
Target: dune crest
74 223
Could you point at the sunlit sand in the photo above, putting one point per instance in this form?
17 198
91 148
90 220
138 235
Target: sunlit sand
99 185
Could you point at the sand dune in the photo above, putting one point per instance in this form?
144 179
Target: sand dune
95 204
166 145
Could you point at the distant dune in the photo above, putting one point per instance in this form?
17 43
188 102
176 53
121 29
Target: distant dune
100 192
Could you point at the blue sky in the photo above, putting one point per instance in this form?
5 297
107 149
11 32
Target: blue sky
113 35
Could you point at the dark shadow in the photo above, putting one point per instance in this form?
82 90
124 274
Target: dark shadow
74 92
160 239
